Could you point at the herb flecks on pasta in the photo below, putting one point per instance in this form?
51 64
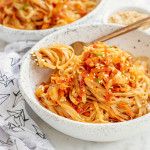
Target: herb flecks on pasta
42 14
103 84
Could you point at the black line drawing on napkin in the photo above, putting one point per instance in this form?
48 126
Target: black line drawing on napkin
14 127
5 80
14 61
16 119
8 142
38 132
3 98
18 98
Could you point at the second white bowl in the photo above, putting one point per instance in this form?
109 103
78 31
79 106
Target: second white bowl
12 35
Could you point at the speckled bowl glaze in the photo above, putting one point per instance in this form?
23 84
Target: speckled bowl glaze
12 35
137 42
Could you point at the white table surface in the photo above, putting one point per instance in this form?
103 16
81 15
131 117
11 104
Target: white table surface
64 142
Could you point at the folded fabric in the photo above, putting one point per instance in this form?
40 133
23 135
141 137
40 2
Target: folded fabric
17 130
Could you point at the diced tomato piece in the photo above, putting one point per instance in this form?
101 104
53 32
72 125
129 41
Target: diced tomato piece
89 62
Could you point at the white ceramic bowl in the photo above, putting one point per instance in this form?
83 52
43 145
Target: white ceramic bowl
109 13
135 42
114 10
12 35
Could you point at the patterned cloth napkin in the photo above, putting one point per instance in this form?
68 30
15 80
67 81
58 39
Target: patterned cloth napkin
17 130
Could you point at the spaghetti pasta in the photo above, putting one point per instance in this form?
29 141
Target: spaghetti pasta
42 14
103 84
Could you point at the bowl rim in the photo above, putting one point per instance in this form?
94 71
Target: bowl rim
81 20
22 74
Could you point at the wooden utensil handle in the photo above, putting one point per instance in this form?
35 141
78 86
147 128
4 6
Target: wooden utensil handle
124 30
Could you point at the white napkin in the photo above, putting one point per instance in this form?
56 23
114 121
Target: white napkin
17 130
